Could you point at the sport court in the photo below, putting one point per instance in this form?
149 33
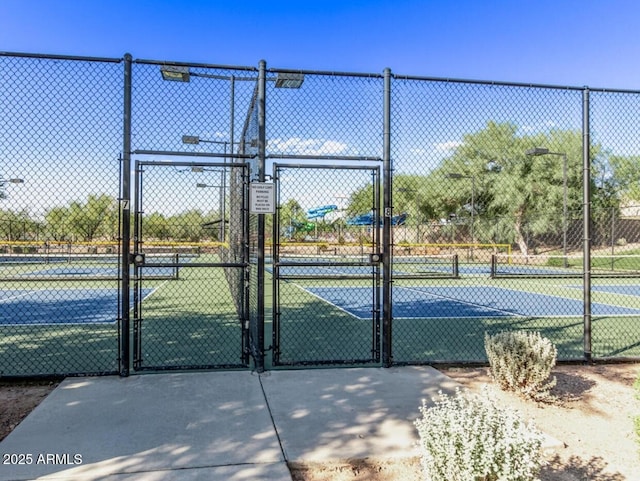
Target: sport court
469 302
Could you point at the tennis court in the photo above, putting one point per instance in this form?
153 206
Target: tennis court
82 267
469 301
60 306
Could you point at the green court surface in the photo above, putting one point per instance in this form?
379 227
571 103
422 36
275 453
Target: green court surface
193 321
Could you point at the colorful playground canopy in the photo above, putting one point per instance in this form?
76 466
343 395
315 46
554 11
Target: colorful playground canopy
320 212
367 219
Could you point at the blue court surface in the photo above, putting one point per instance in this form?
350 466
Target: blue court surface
625 289
463 301
59 306
94 271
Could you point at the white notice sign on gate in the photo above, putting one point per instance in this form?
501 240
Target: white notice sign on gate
262 198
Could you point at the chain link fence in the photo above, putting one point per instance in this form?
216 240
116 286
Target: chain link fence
60 143
465 175
413 215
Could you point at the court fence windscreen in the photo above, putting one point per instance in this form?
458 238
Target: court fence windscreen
400 218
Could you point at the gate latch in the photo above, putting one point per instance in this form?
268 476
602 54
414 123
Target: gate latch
375 258
137 259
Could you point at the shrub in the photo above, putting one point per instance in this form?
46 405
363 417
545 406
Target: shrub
522 361
471 438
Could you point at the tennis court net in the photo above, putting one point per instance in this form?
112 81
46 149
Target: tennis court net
619 265
58 267
357 266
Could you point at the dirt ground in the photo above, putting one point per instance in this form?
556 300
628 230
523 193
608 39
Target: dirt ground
17 399
592 418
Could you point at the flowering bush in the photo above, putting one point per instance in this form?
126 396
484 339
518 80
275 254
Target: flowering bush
522 361
471 438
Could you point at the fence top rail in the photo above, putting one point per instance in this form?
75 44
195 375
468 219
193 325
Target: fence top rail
280 166
193 154
327 73
336 158
191 164
322 72
61 57
514 84
487 82
194 65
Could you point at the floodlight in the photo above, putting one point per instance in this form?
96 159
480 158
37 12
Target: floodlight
190 139
289 80
175 73
537 151
12 181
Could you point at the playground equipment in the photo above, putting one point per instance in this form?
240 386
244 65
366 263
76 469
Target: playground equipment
320 212
367 219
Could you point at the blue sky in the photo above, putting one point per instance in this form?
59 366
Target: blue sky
561 42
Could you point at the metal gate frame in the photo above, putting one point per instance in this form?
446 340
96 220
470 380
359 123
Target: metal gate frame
374 261
136 258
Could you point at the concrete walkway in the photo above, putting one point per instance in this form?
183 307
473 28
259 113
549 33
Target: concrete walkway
226 426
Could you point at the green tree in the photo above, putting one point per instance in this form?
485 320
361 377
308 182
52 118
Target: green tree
17 225
360 201
156 226
508 195
515 195
187 226
56 224
94 218
293 220
624 175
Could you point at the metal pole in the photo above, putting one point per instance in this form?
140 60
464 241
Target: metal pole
387 248
613 235
232 120
473 213
125 205
473 209
586 212
565 219
232 115
262 84
222 195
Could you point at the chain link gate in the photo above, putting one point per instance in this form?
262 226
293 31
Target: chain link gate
189 296
326 295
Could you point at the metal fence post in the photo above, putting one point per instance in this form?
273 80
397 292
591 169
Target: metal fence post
387 247
125 208
262 83
586 209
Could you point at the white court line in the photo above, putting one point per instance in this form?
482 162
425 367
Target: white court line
415 289
329 302
10 298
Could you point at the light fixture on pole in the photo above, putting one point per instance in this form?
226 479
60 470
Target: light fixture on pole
175 73
3 182
178 73
456 175
537 152
285 80
11 181
195 140
221 189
